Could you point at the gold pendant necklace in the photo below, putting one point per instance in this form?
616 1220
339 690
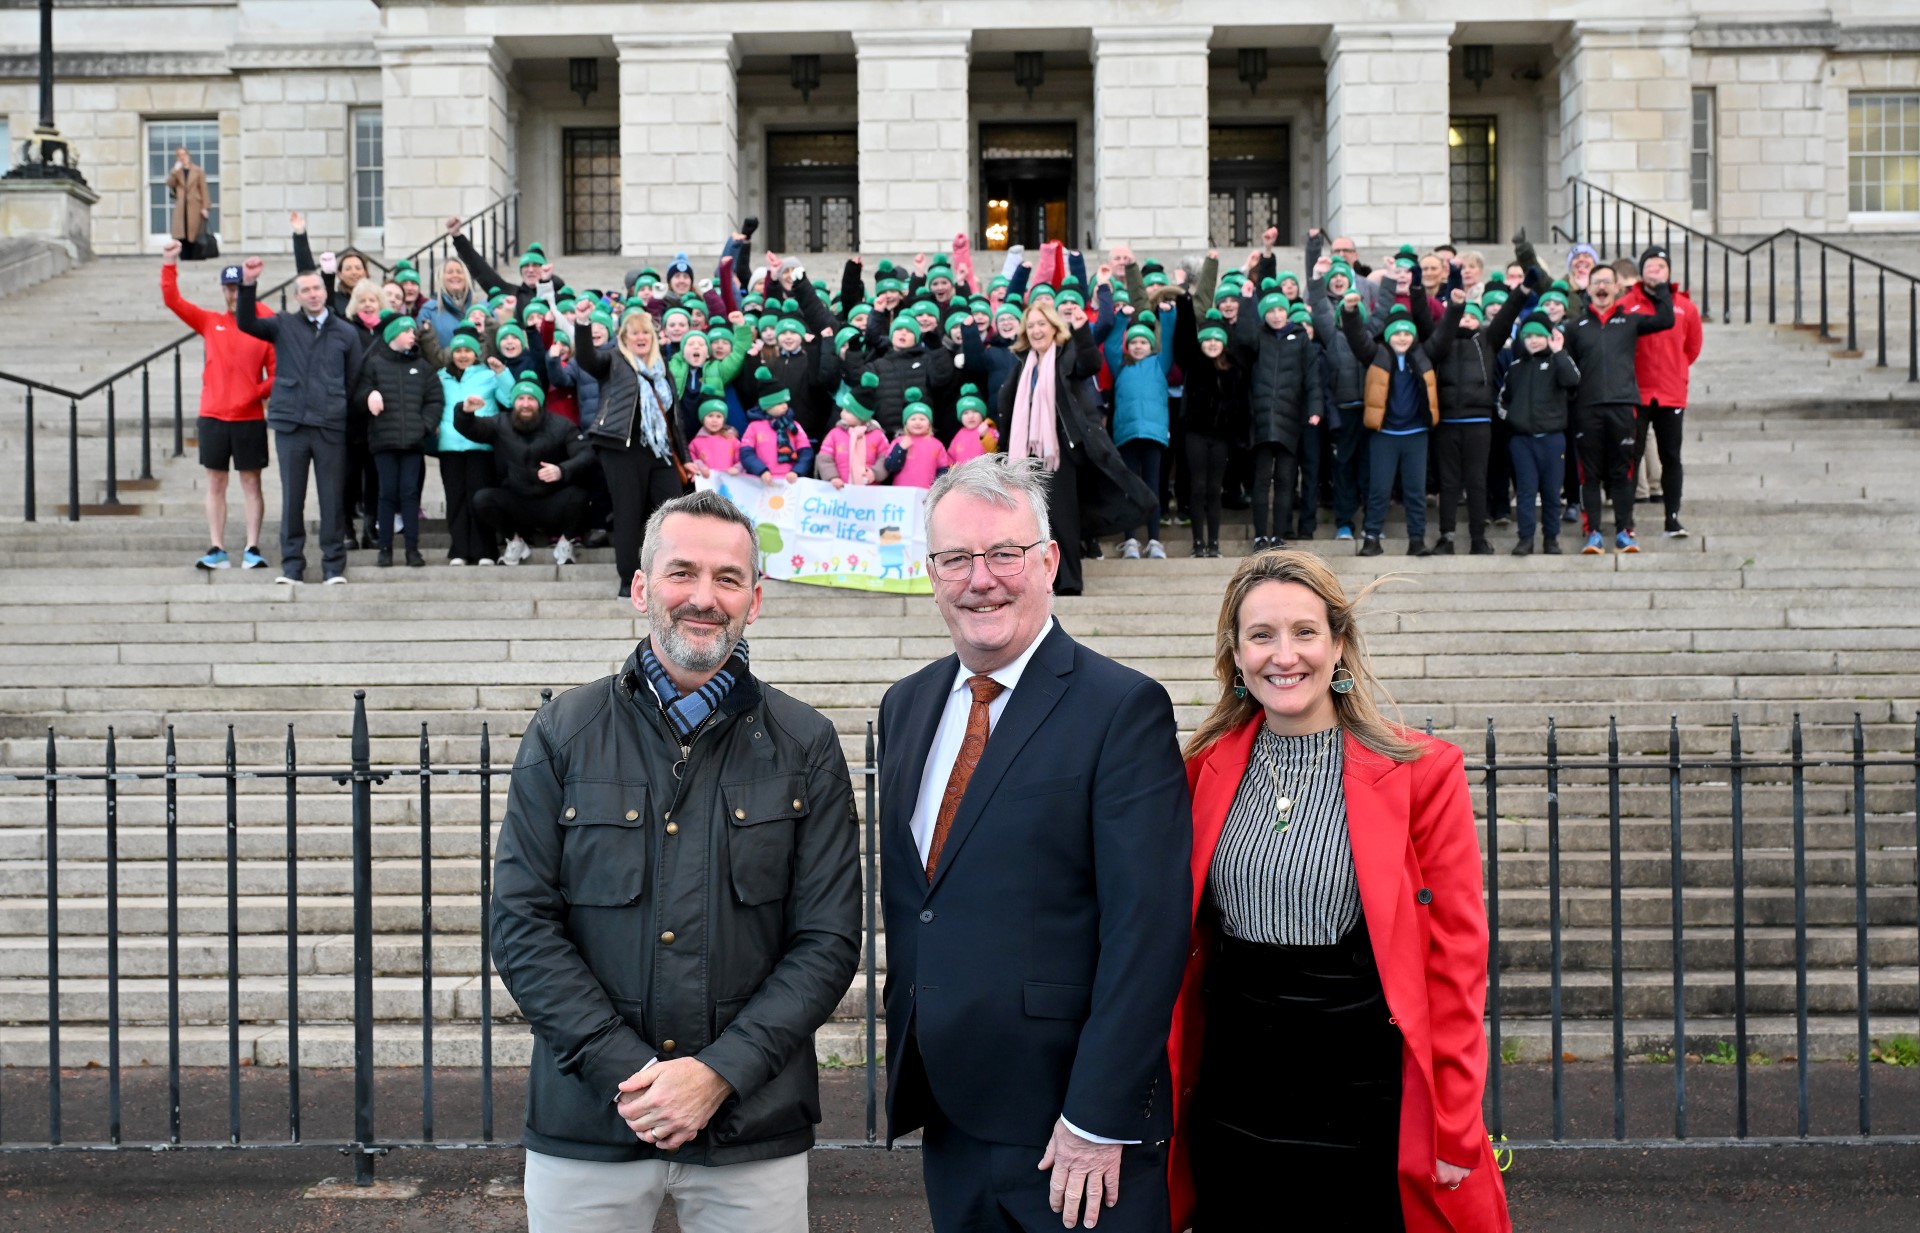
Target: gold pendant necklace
1283 817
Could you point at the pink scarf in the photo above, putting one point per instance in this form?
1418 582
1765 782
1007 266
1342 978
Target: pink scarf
1033 434
858 470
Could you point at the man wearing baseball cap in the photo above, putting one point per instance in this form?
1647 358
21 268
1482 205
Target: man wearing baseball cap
233 416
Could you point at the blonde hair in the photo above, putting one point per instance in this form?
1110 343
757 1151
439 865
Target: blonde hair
368 290
465 299
1061 330
1358 712
652 332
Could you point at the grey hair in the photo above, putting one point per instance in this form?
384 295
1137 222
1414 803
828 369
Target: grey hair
707 504
999 480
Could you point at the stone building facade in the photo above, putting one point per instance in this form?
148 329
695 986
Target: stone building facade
648 128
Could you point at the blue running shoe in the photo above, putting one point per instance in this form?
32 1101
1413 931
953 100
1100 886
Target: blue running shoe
216 558
252 559
1344 533
1594 546
1624 542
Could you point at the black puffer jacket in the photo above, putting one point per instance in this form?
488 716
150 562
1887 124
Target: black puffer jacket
927 366
647 905
1469 372
1283 377
518 452
1604 347
1215 404
1534 399
411 396
617 427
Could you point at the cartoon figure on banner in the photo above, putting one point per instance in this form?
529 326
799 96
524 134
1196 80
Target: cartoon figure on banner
893 553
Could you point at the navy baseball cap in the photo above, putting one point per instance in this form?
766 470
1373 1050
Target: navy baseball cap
229 276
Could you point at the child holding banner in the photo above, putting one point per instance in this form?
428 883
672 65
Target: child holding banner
855 452
917 458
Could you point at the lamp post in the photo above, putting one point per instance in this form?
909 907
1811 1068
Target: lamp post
46 138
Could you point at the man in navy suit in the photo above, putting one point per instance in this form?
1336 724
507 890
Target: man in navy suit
1035 830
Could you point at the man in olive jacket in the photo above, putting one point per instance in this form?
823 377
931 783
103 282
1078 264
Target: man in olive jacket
677 910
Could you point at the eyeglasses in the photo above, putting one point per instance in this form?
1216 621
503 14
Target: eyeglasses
1002 562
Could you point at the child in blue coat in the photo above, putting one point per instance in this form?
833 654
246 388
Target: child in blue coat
1140 366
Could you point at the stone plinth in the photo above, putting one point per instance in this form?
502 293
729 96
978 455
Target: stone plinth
1150 137
448 143
913 139
1388 99
60 211
1626 109
679 144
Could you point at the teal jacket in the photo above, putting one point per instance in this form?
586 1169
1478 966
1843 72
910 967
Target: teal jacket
477 380
1140 390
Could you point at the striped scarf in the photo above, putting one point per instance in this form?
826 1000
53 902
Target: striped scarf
686 712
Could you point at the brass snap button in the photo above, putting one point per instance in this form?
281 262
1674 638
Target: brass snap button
633 815
667 938
740 814
673 828
570 812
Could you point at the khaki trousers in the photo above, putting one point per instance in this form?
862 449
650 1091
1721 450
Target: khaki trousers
591 1196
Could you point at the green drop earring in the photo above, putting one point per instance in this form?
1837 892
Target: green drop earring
1239 687
1342 685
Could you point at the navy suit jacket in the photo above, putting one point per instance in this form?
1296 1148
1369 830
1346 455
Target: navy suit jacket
1037 973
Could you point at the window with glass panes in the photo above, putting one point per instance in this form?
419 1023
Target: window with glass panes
1702 160
1883 153
202 140
369 170
1474 189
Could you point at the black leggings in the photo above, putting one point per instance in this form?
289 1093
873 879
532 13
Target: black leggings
463 473
639 482
1668 432
1274 471
1207 469
1463 450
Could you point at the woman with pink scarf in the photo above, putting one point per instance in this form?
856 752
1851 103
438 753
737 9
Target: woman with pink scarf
1090 491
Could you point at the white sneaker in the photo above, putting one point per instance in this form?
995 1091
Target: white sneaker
563 551
285 581
1155 552
1130 550
517 551
336 580
484 561
456 560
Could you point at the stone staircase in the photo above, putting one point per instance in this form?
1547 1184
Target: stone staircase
1793 597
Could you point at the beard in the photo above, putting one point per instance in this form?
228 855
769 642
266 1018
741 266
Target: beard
687 651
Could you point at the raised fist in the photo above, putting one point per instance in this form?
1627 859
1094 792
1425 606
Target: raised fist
1213 254
736 317
1270 237
474 402
170 255
251 267
453 226
298 222
493 362
1351 302
1321 267
1313 233
1458 297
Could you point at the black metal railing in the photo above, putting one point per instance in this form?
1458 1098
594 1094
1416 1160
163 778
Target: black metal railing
1689 782
1618 227
495 230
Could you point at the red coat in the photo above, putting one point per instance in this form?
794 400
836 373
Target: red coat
1412 828
1662 361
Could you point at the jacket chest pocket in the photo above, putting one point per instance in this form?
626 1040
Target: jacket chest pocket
603 843
761 816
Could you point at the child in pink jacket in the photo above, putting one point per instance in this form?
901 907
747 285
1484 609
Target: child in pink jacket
775 448
855 451
715 449
977 434
917 458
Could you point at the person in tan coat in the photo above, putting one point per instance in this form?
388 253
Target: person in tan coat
192 204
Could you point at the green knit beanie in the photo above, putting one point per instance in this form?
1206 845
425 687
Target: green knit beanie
510 330
1272 300
773 397
905 322
405 274
602 317
862 399
1406 258
970 400
1141 331
1284 275
956 319
915 406
527 387
1215 330
844 335
396 327
938 272
1070 296
862 309
790 325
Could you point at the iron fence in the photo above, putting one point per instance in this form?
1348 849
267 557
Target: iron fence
1736 774
1617 227
495 228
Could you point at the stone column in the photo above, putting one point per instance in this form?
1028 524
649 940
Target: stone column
913 140
1387 106
1626 109
1150 136
679 144
444 106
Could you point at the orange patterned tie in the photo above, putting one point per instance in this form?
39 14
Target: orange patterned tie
985 690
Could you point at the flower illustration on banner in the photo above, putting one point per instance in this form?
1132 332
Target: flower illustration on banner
853 562
797 561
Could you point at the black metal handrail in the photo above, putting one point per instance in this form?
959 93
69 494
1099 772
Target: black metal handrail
497 226
1617 226
1736 774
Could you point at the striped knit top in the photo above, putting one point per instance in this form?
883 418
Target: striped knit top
1297 888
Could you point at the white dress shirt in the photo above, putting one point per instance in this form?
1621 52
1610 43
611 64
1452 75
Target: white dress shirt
948 736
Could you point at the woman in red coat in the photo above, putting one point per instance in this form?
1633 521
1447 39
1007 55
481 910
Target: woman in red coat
1328 1035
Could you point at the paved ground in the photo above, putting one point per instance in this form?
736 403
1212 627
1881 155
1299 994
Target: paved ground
1847 1189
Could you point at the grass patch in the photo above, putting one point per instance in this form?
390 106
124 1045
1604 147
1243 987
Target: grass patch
1902 1050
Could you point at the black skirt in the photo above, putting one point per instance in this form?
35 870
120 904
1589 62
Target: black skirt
1300 1085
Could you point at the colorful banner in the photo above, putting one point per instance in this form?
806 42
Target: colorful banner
864 538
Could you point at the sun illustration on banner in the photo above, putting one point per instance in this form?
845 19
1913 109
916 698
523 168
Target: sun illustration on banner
865 538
